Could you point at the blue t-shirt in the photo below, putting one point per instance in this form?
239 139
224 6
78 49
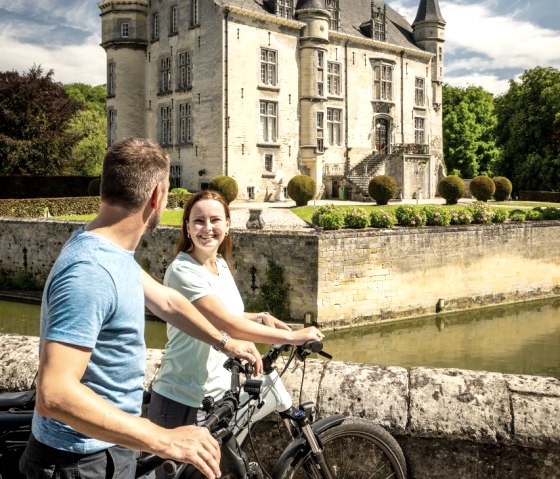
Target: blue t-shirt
93 298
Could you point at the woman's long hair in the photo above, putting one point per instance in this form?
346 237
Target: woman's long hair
185 242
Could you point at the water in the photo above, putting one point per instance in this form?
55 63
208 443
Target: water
520 339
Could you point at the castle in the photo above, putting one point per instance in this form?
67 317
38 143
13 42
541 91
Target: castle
262 90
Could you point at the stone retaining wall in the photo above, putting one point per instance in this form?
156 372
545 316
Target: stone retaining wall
451 423
350 277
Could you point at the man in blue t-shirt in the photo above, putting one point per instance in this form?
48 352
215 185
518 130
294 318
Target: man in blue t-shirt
92 360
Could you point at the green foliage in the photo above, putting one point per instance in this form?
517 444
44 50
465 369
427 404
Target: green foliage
93 97
20 281
36 207
407 215
500 215
481 212
328 217
550 213
503 188
382 188
274 293
356 218
301 189
517 215
482 188
452 188
177 198
226 186
382 219
94 187
529 130
461 216
534 215
34 115
469 130
437 215
87 155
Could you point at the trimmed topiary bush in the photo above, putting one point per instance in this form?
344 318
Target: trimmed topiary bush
550 213
382 219
328 217
226 186
301 189
94 187
503 188
407 215
356 218
452 188
382 188
534 215
177 198
482 188
437 215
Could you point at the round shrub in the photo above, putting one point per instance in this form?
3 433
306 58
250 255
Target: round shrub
482 188
534 215
356 218
503 188
452 188
461 216
94 187
178 198
301 189
226 186
500 215
437 215
328 217
382 188
550 213
179 191
407 215
517 215
382 219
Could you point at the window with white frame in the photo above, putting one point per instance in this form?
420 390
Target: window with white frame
195 12
269 162
320 131
269 65
321 73
111 126
175 176
285 8
419 91
268 121
165 75
332 7
334 126
125 31
173 19
184 74
382 81
184 129
155 26
333 78
165 123
111 79
251 192
419 127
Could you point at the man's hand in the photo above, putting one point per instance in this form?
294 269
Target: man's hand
236 348
193 445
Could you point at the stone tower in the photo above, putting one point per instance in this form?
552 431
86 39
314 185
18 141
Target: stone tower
429 33
125 39
313 88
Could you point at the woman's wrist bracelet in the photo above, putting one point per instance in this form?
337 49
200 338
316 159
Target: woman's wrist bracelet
221 345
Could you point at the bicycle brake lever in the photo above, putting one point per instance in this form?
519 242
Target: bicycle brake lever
325 355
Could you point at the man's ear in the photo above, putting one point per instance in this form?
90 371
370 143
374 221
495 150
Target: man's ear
156 195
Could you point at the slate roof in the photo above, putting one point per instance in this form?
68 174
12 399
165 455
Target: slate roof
352 14
429 11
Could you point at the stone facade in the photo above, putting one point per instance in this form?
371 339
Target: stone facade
262 91
346 278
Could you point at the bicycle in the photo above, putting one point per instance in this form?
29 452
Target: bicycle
335 447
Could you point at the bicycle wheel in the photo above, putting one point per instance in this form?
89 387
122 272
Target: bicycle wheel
354 449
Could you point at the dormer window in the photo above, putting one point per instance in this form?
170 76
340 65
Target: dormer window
285 8
379 28
332 7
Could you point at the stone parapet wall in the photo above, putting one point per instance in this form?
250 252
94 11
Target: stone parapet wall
450 422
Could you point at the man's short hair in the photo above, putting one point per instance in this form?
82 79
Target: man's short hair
131 170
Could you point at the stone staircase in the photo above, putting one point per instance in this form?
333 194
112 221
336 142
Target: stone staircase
361 173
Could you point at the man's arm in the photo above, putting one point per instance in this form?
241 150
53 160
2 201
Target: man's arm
174 308
60 395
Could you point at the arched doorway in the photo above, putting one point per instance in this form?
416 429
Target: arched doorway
381 134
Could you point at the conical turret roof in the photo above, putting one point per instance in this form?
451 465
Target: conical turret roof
428 11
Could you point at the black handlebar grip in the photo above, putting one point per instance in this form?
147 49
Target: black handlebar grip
314 346
169 467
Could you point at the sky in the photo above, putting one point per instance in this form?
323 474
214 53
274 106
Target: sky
488 42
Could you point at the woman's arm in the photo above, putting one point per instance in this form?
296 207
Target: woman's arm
267 319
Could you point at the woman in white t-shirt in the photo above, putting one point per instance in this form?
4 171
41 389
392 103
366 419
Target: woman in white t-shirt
201 271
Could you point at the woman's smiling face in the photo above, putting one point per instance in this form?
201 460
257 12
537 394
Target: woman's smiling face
207 224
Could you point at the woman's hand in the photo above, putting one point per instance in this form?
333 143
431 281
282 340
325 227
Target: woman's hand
301 336
268 320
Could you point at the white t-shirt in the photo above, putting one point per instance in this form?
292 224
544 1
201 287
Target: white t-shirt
191 369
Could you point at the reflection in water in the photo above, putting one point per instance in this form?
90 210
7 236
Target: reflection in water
523 338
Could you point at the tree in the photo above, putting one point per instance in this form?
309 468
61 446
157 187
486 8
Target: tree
34 115
87 154
469 136
529 130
